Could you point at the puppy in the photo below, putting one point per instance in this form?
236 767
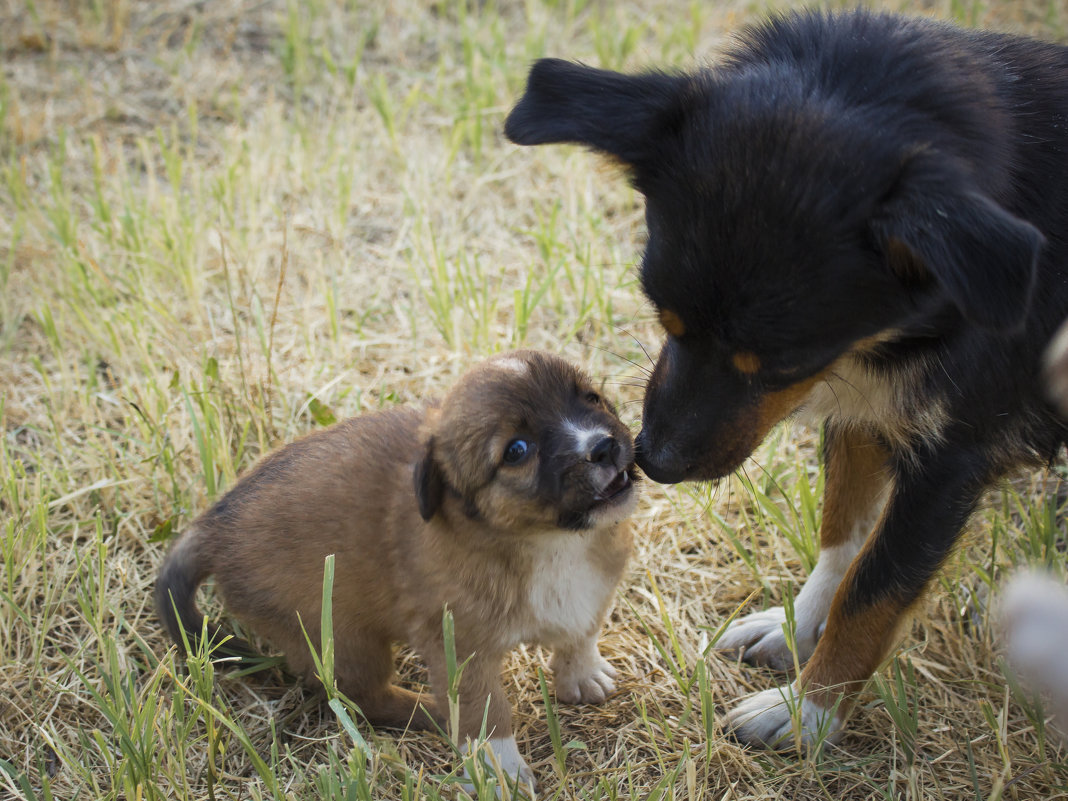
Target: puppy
862 218
504 502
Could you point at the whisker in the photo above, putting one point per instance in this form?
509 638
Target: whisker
639 343
773 480
745 473
852 386
631 362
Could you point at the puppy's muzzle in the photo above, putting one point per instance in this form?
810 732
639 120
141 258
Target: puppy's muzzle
606 451
606 454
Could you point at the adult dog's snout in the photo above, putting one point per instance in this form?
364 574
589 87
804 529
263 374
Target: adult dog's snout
657 463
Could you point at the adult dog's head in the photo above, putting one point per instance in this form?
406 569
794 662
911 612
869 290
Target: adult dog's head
790 225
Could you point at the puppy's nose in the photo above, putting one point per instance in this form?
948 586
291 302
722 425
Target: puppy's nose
605 451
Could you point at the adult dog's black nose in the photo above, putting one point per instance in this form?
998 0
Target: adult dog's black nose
604 451
657 466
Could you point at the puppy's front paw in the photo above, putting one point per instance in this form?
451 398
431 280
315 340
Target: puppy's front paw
501 754
583 676
760 640
782 719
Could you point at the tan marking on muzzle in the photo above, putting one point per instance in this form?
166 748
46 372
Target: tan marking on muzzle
776 406
748 427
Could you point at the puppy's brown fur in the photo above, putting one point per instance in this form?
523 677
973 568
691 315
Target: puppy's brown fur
423 509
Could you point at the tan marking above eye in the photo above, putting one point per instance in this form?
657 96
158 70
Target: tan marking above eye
872 343
745 361
672 323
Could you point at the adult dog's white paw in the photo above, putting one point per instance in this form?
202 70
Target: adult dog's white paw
585 681
782 719
760 639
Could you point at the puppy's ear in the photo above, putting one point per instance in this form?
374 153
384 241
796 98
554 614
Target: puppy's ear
620 115
983 257
429 482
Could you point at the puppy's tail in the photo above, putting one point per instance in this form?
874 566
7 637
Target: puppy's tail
182 572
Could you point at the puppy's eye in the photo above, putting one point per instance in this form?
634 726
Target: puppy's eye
517 451
593 397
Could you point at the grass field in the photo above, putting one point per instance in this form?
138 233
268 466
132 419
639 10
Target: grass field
224 224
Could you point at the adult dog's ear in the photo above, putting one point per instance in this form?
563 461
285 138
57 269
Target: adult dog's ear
984 258
429 482
620 115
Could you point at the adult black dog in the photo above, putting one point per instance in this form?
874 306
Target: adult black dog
864 218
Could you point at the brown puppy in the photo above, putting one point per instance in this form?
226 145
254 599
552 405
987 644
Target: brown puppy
503 502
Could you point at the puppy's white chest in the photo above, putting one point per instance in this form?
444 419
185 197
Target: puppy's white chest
567 591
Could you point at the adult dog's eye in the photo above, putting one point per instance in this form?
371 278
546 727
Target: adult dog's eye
517 451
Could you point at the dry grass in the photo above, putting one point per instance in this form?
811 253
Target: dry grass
224 223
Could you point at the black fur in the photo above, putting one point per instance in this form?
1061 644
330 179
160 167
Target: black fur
175 593
429 483
853 188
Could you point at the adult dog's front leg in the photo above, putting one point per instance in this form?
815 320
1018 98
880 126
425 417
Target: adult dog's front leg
856 483
927 510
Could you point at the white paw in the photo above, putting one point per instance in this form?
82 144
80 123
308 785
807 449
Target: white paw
781 719
759 639
582 675
591 685
1034 616
501 757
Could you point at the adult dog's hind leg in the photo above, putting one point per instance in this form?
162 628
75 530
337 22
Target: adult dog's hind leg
857 480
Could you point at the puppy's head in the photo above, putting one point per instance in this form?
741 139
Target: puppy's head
785 231
524 441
